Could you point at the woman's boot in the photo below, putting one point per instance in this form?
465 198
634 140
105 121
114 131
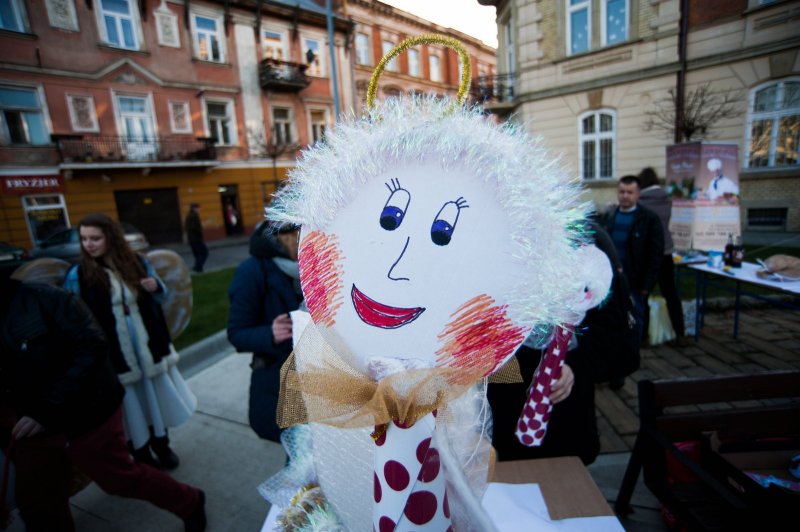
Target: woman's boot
165 455
144 456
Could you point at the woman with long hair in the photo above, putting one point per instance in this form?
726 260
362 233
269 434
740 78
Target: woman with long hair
124 293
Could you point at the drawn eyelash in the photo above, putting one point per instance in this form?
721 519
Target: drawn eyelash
393 184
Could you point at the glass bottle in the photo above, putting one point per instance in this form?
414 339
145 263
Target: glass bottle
727 256
738 253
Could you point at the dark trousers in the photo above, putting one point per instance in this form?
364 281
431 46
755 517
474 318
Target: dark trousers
572 430
43 466
666 284
200 252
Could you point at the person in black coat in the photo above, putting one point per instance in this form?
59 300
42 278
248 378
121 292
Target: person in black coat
638 240
264 290
61 403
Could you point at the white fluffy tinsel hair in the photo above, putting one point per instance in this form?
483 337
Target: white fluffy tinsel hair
532 186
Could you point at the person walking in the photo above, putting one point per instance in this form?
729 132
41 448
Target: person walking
124 293
194 235
655 198
264 290
60 404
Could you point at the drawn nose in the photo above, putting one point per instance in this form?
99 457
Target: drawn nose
392 274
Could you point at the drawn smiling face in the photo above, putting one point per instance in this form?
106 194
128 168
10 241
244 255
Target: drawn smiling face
410 250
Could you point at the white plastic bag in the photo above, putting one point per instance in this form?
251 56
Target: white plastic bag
660 329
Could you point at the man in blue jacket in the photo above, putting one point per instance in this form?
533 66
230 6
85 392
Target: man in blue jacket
264 290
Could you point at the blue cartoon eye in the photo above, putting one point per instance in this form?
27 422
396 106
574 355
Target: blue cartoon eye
396 206
445 222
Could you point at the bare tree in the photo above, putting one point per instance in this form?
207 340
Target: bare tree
703 109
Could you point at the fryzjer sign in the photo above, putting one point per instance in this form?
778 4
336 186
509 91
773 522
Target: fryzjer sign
30 184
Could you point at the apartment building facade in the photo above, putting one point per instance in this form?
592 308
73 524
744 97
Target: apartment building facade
140 108
427 69
587 75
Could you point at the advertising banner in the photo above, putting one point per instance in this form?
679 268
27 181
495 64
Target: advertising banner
703 181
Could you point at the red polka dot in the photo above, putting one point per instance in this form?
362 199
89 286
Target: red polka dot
422 449
446 507
541 408
403 425
381 439
540 433
386 525
534 424
526 439
396 475
450 529
522 426
377 488
430 469
420 507
435 413
529 411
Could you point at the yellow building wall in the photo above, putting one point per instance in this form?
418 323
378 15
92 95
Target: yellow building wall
88 192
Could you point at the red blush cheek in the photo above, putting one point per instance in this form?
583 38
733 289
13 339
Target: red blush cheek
480 335
320 263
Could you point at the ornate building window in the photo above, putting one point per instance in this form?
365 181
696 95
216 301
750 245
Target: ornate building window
119 23
362 49
221 122
22 116
274 45
597 141
773 124
435 66
413 63
180 118
209 38
13 16
82 113
61 14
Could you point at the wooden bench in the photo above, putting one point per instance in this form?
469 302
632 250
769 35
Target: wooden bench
706 502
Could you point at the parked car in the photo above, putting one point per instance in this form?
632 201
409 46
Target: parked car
11 256
66 243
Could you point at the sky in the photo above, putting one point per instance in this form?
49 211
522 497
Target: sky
467 16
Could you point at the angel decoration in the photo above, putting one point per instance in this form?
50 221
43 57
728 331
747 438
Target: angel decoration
433 241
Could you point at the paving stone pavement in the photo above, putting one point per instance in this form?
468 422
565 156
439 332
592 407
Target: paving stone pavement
769 340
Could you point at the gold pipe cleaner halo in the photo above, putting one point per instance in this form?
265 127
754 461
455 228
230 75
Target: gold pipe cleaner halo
433 38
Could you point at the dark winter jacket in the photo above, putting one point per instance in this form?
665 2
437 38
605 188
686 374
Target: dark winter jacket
98 299
54 366
657 200
259 293
193 227
645 247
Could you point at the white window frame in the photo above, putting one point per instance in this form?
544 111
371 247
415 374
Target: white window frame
510 57
387 44
135 23
586 4
20 17
171 106
604 22
39 89
230 110
367 50
219 33
597 136
415 53
290 121
29 208
321 70
73 116
326 119
71 24
438 71
773 116
284 42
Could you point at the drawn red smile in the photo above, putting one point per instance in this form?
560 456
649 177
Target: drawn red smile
379 315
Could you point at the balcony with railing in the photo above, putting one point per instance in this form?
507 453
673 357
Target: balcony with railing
494 92
283 76
103 151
